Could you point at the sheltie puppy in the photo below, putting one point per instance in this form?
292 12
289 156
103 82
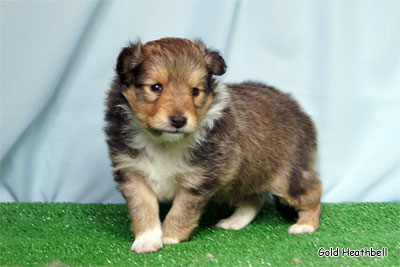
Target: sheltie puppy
177 134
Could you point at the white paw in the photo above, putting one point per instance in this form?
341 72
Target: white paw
169 240
232 223
301 229
239 219
148 241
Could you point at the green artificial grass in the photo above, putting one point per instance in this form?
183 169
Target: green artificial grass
97 235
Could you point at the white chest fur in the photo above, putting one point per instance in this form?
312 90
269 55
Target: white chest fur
160 167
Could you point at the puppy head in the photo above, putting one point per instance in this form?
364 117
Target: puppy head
168 84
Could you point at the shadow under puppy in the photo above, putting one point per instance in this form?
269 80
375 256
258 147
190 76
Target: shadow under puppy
175 133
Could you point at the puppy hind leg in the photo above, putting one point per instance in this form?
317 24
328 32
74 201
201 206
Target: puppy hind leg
245 212
308 221
307 201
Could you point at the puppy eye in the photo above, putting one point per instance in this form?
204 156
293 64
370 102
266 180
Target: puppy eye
195 91
157 88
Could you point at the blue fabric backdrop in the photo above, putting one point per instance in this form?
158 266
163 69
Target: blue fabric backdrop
339 58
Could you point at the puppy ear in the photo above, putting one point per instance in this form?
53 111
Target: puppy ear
215 62
129 58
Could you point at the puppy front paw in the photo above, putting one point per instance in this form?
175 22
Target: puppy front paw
170 240
147 242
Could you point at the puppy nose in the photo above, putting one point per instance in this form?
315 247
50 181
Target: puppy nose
177 121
